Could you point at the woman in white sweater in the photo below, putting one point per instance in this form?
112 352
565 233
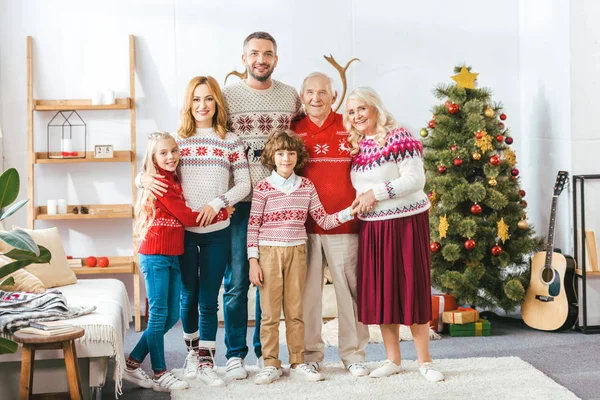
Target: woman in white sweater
394 285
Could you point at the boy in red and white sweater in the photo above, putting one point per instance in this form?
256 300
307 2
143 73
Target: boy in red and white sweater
277 237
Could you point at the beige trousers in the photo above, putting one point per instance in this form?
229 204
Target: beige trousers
341 253
284 276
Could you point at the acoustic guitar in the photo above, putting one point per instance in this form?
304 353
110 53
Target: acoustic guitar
551 303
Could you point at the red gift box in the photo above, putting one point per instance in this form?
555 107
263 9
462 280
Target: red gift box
439 304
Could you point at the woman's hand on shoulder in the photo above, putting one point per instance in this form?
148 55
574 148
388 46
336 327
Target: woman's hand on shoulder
256 275
154 184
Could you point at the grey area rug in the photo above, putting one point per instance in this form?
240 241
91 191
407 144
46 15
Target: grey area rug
491 378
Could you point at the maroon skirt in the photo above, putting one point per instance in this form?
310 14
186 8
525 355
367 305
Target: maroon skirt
394 282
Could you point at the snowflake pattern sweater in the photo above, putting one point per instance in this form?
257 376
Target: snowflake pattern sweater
254 114
395 172
277 217
207 161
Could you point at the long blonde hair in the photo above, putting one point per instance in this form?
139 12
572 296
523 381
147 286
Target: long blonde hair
188 122
144 211
385 120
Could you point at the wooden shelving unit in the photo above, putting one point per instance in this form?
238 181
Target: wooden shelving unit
117 264
588 273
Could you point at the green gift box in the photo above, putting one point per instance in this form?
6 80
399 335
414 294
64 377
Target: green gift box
481 328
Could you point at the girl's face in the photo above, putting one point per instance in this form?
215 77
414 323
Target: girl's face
285 162
166 154
204 106
362 116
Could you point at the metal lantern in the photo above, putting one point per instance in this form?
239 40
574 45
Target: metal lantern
67 135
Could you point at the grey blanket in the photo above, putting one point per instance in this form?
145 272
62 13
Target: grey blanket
17 309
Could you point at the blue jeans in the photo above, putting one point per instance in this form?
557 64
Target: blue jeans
202 267
236 284
163 288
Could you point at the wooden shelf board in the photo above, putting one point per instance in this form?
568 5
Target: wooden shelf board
96 211
587 273
116 265
81 104
119 156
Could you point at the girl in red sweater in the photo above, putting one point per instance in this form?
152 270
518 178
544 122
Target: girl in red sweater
159 226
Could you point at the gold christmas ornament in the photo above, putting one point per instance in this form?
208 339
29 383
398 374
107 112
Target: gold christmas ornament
523 224
465 79
503 230
488 112
476 156
443 226
485 143
493 182
510 157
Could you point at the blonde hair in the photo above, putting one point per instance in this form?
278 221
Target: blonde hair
284 140
188 122
385 120
144 211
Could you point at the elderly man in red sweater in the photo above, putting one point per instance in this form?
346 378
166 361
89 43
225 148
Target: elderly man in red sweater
329 169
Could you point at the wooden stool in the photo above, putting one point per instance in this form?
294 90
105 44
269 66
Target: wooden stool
65 341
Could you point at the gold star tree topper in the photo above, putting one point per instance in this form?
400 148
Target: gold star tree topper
465 79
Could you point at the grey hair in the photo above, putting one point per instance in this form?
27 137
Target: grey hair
319 74
260 35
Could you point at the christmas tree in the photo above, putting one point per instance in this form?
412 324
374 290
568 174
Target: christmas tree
481 241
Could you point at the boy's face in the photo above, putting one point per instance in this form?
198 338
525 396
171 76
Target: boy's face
285 162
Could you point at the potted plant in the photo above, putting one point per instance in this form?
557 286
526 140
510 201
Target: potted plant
24 250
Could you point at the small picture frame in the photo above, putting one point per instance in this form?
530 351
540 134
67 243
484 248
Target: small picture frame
103 151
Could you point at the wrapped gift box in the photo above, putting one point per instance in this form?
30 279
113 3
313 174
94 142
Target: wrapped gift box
460 316
439 304
480 328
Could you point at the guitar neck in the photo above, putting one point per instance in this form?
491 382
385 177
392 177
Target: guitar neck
550 244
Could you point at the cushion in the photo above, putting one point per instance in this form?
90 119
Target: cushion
57 273
24 281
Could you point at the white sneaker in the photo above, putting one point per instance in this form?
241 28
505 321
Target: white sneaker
386 368
137 376
430 373
260 363
358 369
190 367
306 372
314 364
268 375
168 382
235 369
207 374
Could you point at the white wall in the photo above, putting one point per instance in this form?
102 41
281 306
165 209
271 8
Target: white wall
405 47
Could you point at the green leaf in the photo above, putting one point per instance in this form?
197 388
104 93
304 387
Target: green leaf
9 187
8 211
8 282
20 240
9 268
23 255
7 346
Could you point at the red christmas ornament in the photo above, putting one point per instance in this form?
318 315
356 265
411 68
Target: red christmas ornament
496 250
508 140
458 162
503 117
499 138
514 172
435 247
442 169
470 244
524 203
476 209
495 160
478 134
453 147
431 124
452 108
522 193
501 125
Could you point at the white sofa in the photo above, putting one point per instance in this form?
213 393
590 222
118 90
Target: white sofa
105 329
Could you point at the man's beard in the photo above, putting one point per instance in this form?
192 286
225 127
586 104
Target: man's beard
260 78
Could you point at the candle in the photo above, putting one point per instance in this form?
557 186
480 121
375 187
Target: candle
51 207
67 145
108 97
62 206
97 98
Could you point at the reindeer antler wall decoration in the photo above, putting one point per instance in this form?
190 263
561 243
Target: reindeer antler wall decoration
341 70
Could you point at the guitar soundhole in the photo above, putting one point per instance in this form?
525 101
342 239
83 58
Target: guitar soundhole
547 275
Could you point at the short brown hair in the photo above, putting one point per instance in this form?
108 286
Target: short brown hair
284 140
260 35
